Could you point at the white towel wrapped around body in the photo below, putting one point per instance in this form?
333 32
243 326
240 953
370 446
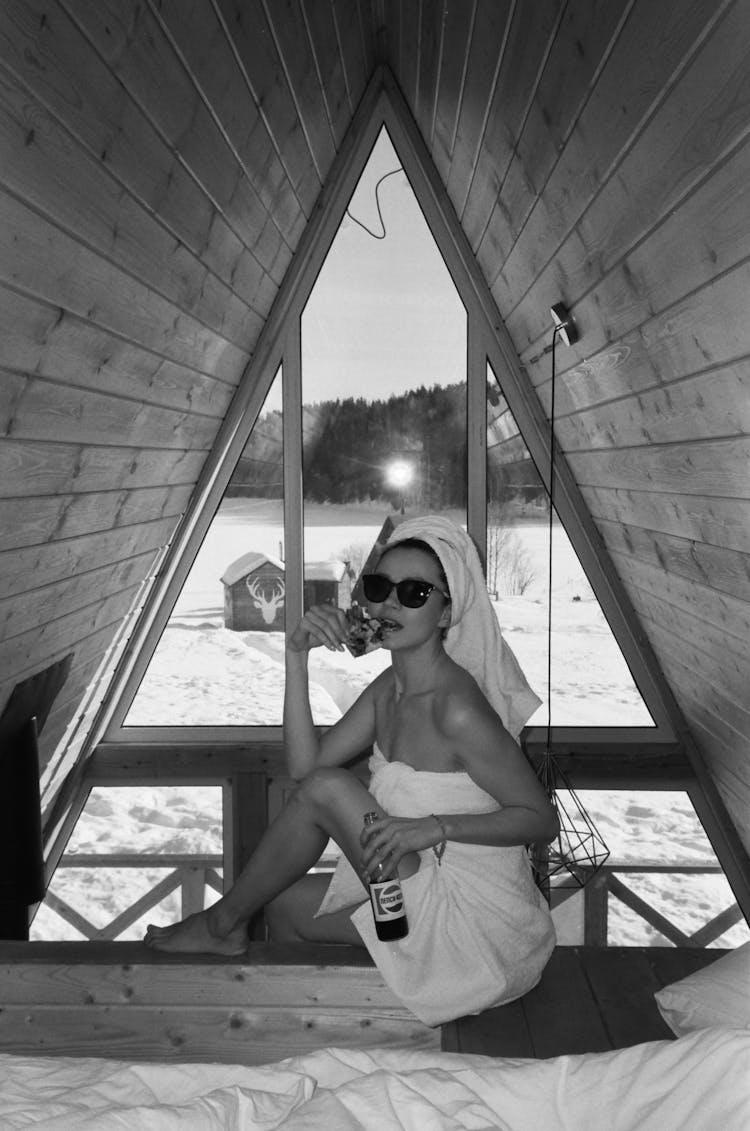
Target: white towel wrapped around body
480 932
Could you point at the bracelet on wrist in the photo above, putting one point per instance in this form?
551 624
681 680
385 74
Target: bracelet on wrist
439 849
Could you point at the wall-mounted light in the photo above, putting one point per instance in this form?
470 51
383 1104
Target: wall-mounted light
564 324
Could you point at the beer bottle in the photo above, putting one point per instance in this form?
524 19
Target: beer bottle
387 899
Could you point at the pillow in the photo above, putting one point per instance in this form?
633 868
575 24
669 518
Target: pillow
718 994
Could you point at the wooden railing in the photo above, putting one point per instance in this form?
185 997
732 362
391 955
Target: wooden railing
193 874
606 883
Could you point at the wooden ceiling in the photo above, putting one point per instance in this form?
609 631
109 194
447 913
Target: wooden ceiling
160 162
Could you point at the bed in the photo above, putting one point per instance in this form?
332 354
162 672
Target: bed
698 1081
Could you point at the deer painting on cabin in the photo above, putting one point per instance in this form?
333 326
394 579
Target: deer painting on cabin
269 599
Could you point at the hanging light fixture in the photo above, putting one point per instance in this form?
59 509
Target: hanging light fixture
578 850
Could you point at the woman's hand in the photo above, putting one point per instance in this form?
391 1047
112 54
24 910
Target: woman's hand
389 839
321 625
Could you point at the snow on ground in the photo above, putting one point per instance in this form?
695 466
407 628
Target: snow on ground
205 674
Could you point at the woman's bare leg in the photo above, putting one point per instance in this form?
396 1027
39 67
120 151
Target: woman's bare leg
291 916
331 803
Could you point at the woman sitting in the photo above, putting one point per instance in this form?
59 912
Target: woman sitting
455 797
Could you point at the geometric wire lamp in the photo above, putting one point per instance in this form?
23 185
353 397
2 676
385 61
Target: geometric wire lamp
578 851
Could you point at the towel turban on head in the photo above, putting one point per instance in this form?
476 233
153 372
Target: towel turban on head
474 639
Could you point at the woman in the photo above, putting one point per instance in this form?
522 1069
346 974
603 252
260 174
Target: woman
455 797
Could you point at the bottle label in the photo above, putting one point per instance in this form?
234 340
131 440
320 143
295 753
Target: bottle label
387 900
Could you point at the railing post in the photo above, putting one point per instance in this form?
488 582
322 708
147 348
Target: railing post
595 910
192 890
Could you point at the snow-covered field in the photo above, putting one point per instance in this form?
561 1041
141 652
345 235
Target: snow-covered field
204 674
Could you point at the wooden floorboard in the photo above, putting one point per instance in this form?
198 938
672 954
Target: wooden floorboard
561 1012
590 999
503 1030
623 984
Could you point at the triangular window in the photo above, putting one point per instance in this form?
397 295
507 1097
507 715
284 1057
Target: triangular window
569 649
211 666
389 352
383 390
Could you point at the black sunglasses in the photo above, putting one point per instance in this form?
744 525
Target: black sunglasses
412 592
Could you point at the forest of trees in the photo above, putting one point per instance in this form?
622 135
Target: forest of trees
348 445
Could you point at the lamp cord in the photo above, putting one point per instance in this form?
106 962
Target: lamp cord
551 513
384 233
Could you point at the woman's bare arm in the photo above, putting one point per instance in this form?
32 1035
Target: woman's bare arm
306 748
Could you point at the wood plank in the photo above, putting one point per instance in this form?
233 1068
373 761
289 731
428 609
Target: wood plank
32 408
320 22
732 786
120 999
693 689
476 187
114 762
711 404
87 201
201 40
455 48
713 468
289 31
717 522
651 43
502 1031
663 165
701 612
727 673
151 72
37 257
429 47
501 50
623 983
22 612
229 1035
727 571
409 58
35 469
42 339
44 644
248 28
582 42
661 270
707 646
50 55
560 1011
37 566
67 516
356 43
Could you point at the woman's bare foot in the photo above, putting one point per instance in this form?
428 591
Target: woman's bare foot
195 936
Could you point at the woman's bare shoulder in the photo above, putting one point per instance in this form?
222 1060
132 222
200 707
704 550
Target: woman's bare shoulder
463 705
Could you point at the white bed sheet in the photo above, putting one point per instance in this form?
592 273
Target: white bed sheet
700 1082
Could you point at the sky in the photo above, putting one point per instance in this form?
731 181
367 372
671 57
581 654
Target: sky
384 315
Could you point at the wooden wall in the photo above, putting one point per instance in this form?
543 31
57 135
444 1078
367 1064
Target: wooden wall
597 153
158 165
160 159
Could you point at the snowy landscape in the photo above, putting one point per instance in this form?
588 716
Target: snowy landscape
205 674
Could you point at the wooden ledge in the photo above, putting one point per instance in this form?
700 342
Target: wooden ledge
125 1001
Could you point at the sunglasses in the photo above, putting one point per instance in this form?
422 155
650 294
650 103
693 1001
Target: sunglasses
412 592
